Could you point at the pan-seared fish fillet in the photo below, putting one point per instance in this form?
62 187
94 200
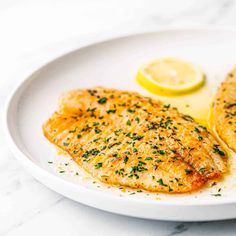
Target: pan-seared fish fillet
125 139
224 110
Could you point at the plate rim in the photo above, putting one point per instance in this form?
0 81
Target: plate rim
36 170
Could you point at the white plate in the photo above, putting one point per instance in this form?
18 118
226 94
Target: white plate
114 63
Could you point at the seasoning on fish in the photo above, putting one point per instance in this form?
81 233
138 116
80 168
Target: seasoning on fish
125 139
224 110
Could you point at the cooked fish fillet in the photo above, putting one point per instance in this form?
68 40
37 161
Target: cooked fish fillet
125 139
224 110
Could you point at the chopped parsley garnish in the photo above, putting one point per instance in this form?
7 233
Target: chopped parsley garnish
128 122
130 110
111 111
187 171
167 106
137 137
66 144
170 189
154 147
202 169
160 181
162 152
97 131
158 160
187 118
92 92
126 159
217 150
92 152
103 148
116 132
92 110
197 130
137 119
138 168
79 135
72 131
98 165
200 138
102 100
85 128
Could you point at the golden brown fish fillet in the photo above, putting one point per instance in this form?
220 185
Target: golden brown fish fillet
125 139
224 110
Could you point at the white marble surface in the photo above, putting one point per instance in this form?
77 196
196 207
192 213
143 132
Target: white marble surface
31 32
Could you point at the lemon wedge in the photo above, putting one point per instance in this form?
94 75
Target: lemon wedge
170 76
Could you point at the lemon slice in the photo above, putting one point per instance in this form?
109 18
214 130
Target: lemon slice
170 76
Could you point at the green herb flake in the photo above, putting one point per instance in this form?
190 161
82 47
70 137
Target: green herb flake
216 195
111 111
72 131
202 169
197 130
126 159
98 165
102 100
158 161
97 131
116 132
130 110
162 152
167 106
187 171
137 119
217 150
200 138
160 181
128 123
170 189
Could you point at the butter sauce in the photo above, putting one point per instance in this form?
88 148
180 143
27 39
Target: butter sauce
195 103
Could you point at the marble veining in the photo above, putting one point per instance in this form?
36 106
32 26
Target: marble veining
31 31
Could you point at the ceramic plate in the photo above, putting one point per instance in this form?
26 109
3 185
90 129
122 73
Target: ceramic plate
114 63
